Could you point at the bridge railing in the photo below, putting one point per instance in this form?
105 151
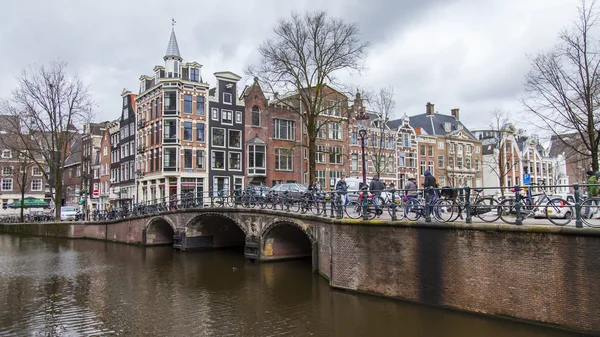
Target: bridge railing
511 204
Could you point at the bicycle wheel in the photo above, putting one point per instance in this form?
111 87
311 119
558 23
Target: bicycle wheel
354 210
507 211
590 212
443 210
413 209
294 205
487 209
559 211
397 207
315 207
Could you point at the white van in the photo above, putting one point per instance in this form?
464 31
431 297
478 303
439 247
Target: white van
354 185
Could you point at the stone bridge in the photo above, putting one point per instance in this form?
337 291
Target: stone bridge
266 235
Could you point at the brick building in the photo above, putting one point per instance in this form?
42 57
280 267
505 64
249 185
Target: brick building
406 150
91 139
105 165
169 102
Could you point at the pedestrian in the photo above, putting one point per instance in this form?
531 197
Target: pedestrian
317 186
341 188
376 187
592 180
411 188
430 184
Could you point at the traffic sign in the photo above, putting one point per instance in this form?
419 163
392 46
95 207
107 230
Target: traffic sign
96 194
526 179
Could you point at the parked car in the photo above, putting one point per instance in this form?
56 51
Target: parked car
540 212
69 213
259 190
354 185
294 189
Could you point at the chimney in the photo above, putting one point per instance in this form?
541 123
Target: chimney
455 113
430 109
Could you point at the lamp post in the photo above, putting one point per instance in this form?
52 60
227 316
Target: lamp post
363 122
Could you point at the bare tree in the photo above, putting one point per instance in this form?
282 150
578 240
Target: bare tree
302 60
48 104
384 105
562 88
23 177
503 159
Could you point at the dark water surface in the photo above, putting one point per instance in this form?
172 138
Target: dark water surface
57 287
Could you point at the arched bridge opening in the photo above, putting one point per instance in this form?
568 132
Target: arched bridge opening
286 240
213 231
158 232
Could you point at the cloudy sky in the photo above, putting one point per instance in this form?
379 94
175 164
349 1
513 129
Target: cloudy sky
467 54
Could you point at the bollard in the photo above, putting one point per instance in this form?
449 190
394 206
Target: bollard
519 219
340 212
394 217
469 218
578 222
365 202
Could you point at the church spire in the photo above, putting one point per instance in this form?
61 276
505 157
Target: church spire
173 47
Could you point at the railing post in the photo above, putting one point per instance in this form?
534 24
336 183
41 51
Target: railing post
428 200
519 219
394 217
235 199
332 201
340 212
578 222
325 204
212 197
469 218
365 202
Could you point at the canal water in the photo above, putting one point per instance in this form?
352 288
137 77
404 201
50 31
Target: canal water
59 287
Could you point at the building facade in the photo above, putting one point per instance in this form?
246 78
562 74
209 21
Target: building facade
124 183
91 139
105 165
226 127
171 156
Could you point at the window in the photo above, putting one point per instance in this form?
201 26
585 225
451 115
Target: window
170 101
321 177
238 117
218 160
441 145
200 132
477 149
235 139
200 159
468 148
320 155
406 140
169 159
105 151
422 167
226 116
447 127
373 140
390 144
440 160
451 162
195 75
452 147
255 116
227 98
430 151
459 163
460 148
170 131
200 105
430 166
354 138
390 165
215 114
401 159
283 159
7 184
187 104
334 176
284 129
333 108
321 130
468 163
6 154
187 131
335 131
422 150
354 162
7 171
218 137
235 161
335 155
477 164
187 159
36 185
256 159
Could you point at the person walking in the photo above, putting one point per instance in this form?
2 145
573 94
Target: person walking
316 187
429 185
341 188
411 188
376 187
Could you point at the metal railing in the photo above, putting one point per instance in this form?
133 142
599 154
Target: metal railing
445 204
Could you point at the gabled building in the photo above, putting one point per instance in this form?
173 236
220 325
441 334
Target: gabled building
91 139
171 127
226 125
125 183
105 164
73 181
451 144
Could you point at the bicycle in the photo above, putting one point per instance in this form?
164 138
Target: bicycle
590 212
354 209
557 210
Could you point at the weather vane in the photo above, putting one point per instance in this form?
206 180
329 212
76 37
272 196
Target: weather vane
173 22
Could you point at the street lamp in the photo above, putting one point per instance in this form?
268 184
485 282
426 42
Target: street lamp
363 123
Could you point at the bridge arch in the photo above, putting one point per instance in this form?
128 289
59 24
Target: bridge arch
214 230
158 231
285 239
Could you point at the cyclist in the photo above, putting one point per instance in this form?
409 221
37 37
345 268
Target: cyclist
429 184
376 187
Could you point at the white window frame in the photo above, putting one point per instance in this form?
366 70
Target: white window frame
212 161
291 159
5 171
229 161
238 117
277 127
228 113
212 138
7 180
229 132
6 154
230 98
40 185
252 169
214 113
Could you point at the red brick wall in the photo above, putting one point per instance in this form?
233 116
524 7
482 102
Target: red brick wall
286 241
548 278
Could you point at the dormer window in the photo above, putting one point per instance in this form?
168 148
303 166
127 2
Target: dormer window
195 75
142 88
227 98
125 98
6 154
176 69
447 126
157 77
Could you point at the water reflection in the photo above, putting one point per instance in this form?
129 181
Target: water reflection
61 287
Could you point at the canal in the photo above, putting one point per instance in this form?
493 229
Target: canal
59 287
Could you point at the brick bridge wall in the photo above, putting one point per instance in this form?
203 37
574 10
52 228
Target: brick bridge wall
534 273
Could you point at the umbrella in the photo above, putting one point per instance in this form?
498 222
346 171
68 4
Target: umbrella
29 202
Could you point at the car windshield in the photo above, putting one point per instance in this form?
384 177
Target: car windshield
68 209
